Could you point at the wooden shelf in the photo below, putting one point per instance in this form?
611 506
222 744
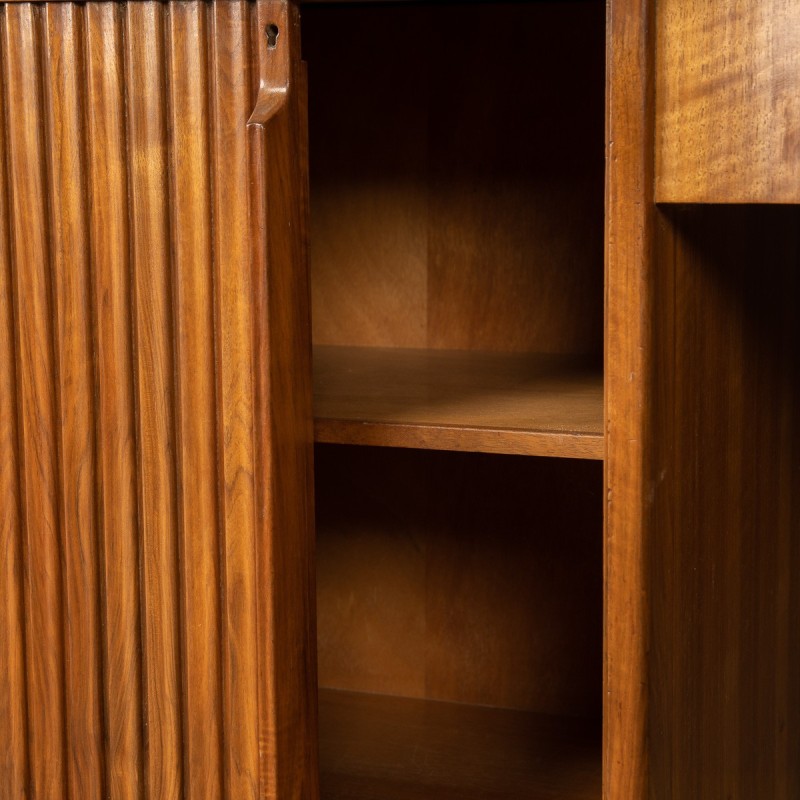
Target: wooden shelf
374 747
529 404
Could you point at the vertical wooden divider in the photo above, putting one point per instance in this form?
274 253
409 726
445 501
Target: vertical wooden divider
629 241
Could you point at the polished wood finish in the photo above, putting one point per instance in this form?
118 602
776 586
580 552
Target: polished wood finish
155 399
283 506
401 749
194 326
37 453
702 696
458 576
157 631
724 552
157 610
458 400
114 411
628 395
14 763
456 202
728 108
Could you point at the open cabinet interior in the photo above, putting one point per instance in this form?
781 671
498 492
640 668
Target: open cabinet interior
456 255
726 516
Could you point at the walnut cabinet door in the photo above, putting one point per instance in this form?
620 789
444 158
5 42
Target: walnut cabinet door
156 627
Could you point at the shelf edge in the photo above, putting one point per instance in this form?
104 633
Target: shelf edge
552 444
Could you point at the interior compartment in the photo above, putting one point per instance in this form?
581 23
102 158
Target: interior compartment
456 251
468 578
457 165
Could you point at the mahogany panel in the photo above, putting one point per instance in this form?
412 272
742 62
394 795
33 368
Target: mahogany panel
156 370
728 105
515 177
725 522
369 218
466 577
465 209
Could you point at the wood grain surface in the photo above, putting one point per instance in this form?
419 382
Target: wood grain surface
457 576
728 102
629 373
190 196
14 764
71 290
284 445
112 310
156 635
528 404
155 394
400 749
702 697
725 521
457 200
37 414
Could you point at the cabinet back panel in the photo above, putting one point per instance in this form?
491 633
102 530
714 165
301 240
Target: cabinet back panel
462 577
457 175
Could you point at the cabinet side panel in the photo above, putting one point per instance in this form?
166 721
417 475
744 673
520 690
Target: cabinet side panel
727 529
156 593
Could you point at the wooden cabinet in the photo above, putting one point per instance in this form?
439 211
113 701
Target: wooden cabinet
528 527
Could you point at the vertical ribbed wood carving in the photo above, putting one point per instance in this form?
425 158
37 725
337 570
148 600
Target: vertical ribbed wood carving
155 423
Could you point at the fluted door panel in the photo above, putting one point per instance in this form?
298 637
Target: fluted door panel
156 623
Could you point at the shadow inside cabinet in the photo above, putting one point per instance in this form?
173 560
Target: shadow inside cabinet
459 622
456 253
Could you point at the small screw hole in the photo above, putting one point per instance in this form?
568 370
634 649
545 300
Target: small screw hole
272 35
